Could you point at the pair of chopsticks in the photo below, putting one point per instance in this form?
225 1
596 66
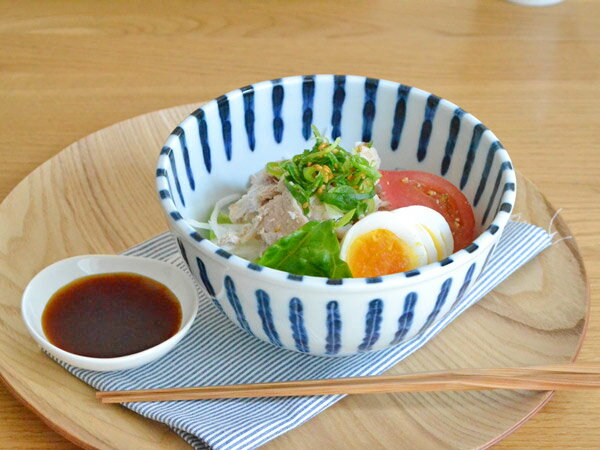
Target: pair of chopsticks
558 377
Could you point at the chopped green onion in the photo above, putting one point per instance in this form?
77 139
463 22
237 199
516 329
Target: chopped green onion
334 175
274 168
345 219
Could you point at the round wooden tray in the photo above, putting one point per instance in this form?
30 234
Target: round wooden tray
97 196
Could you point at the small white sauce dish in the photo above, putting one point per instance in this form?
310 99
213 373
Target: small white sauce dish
43 286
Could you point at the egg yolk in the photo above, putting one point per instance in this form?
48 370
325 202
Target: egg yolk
379 252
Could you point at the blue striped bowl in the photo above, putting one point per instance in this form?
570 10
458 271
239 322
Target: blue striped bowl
213 152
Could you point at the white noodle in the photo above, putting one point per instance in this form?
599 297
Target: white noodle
221 229
199 225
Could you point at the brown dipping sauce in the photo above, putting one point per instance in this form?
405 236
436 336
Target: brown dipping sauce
110 315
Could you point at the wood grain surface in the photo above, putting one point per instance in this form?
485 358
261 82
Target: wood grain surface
98 196
531 74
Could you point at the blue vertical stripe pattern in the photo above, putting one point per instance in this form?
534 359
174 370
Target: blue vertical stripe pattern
372 324
264 311
163 173
308 98
504 166
451 141
234 301
277 101
218 305
369 108
176 177
297 323
223 253
182 251
471 247
468 277
248 96
334 329
223 105
204 277
477 133
441 299
196 236
203 134
399 115
216 352
406 319
339 95
430 109
186 156
496 145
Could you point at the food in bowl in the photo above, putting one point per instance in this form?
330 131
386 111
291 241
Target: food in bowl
402 188
295 210
214 151
387 242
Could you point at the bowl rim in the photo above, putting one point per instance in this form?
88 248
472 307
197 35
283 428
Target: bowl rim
83 361
483 241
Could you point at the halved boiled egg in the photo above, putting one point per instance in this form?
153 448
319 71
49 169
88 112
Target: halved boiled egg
387 242
434 224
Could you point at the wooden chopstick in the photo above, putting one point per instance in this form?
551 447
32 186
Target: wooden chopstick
558 377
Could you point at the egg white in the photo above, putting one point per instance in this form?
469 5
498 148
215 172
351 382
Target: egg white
387 220
428 243
424 230
435 225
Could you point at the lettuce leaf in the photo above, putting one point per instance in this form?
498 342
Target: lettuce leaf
312 250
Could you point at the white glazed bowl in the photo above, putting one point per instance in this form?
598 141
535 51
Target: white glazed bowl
215 149
41 288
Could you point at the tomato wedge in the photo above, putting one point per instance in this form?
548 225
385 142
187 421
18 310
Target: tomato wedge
408 187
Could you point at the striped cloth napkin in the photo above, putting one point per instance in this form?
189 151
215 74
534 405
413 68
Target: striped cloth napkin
215 351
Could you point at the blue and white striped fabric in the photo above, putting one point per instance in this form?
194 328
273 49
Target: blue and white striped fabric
217 352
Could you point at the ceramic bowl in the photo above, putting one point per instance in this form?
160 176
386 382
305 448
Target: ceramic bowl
215 149
41 288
